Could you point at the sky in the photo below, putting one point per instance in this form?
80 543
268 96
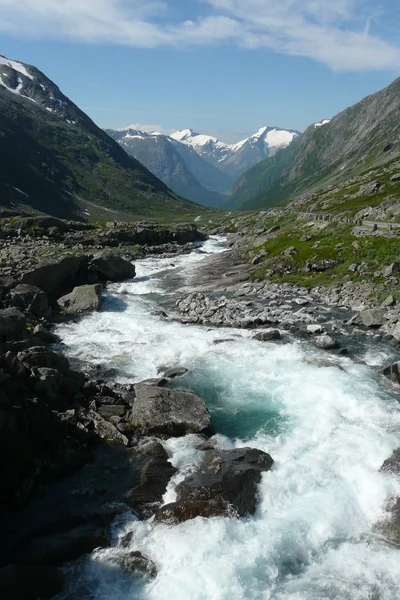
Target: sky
221 67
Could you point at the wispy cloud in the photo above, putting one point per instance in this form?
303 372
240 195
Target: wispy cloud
341 34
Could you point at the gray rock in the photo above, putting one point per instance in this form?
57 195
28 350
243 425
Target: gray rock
353 267
395 177
370 188
267 336
159 411
39 356
392 372
291 251
30 298
82 299
173 373
373 317
396 332
391 269
225 485
325 342
107 430
110 266
389 301
45 335
314 328
12 322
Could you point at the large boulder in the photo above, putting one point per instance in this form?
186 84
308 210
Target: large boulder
30 298
159 411
12 322
82 299
373 317
109 266
58 277
225 485
39 356
135 562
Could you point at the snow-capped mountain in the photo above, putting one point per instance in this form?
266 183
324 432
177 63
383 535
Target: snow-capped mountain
235 159
197 166
177 165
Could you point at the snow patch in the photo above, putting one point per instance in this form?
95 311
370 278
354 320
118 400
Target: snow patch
17 66
17 90
20 191
324 122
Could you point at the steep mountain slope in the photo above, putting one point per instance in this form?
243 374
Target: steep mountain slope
56 160
235 159
360 138
163 157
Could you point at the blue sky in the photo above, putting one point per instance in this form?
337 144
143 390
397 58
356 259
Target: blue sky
223 67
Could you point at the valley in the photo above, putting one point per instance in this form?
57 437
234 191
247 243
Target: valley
199 356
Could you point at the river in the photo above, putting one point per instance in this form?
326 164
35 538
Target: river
313 536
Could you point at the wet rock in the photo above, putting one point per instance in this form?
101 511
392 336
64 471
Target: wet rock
226 484
135 562
174 372
373 317
30 583
392 464
109 266
82 299
325 342
392 372
31 299
267 336
12 322
158 411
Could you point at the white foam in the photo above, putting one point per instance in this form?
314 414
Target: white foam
329 431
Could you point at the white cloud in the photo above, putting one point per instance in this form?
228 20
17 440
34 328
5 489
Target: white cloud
341 34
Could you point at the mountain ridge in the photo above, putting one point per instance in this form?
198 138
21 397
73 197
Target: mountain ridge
56 160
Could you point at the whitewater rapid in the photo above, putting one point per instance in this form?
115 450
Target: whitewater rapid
314 534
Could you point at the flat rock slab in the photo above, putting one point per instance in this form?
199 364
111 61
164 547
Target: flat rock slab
172 413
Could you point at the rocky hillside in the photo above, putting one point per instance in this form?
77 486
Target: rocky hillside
56 160
363 137
177 165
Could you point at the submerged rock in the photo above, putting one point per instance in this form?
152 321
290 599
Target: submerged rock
159 411
267 336
82 299
225 485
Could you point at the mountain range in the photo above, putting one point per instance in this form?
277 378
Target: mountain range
201 167
55 159
355 142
